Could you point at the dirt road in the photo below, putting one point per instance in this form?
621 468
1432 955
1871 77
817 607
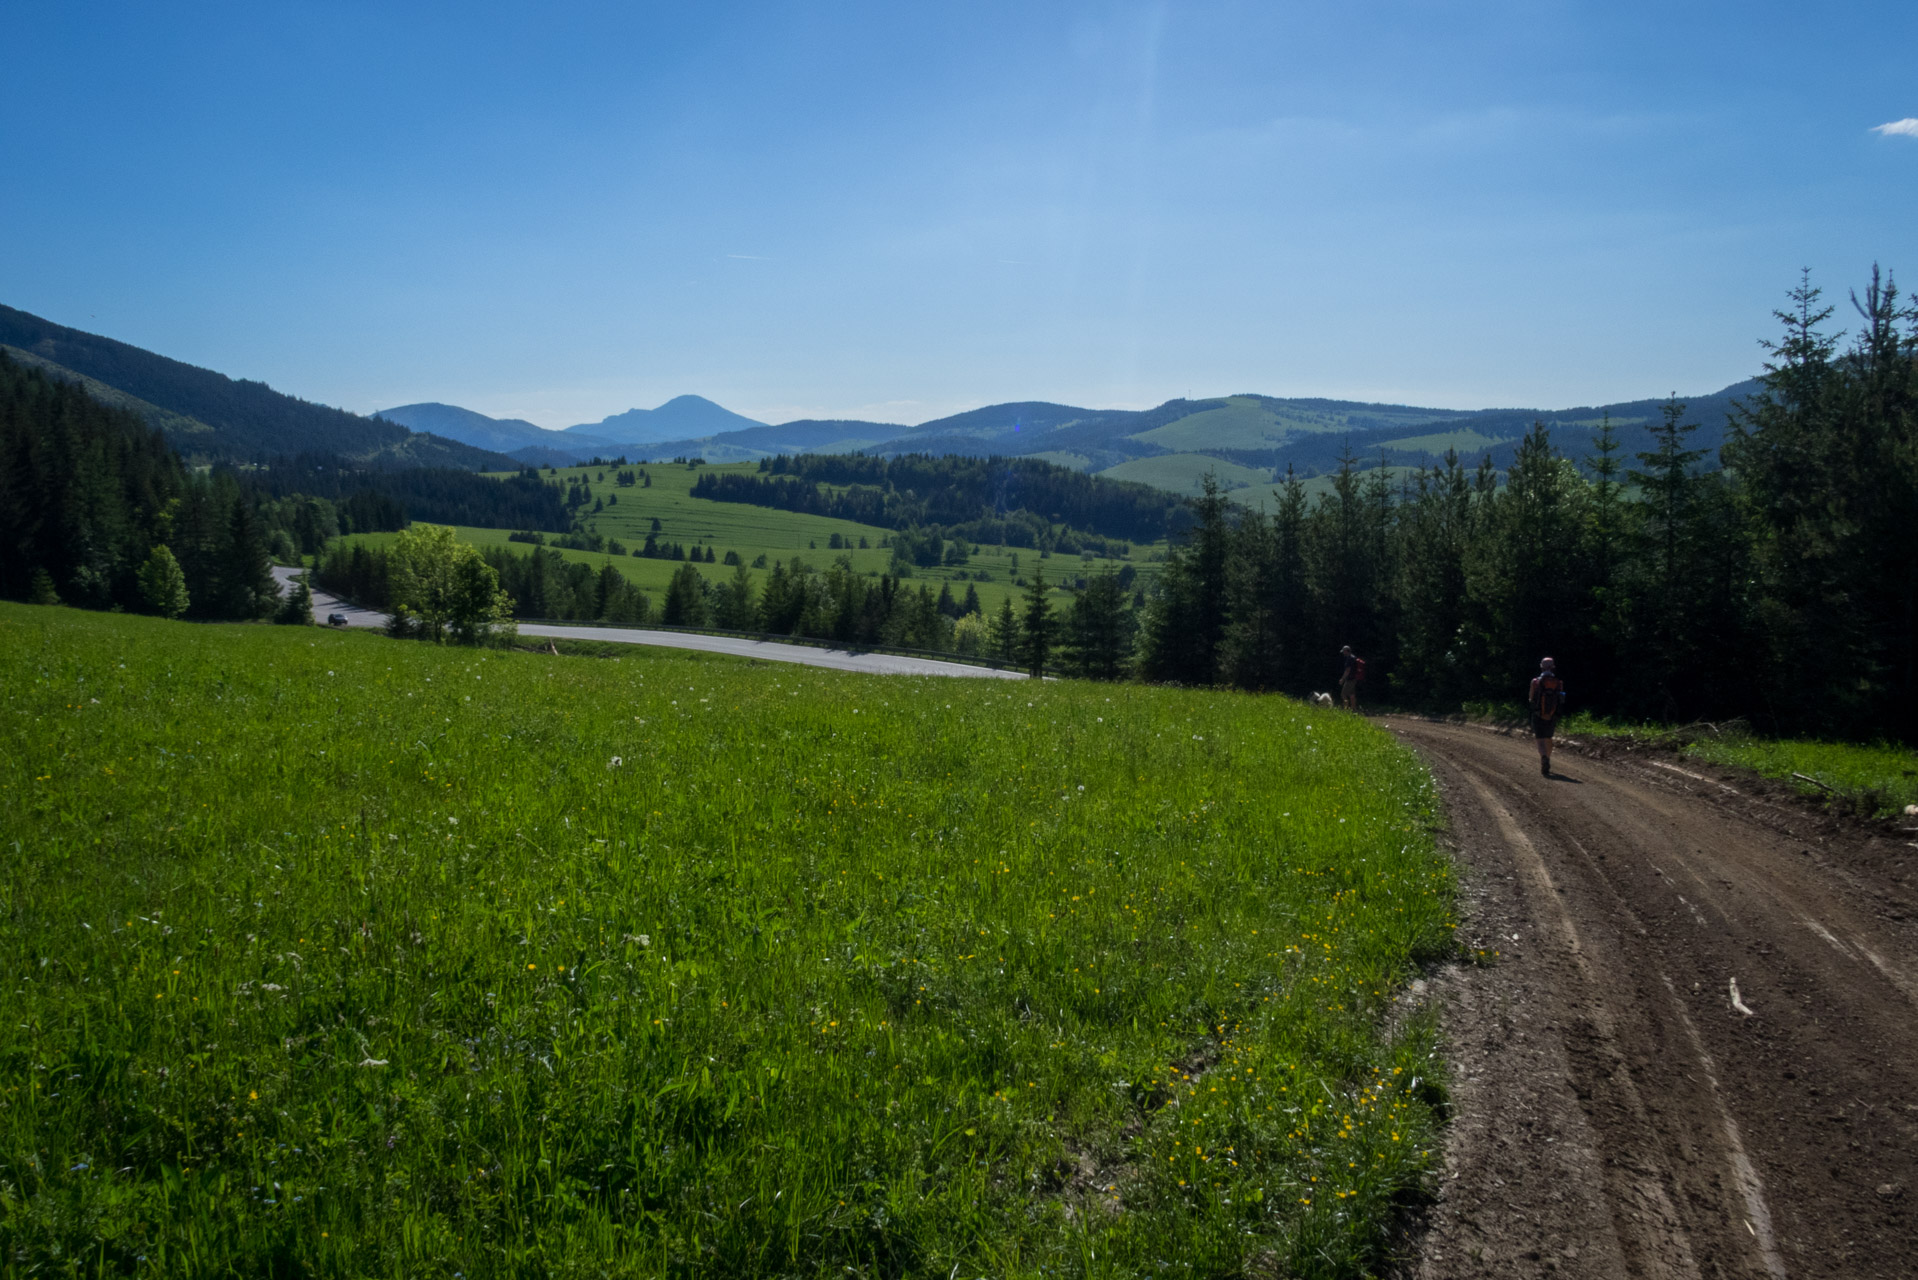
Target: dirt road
1624 1109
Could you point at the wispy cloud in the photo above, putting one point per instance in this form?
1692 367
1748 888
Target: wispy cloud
748 257
1906 128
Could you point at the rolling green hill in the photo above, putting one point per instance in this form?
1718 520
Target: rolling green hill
1184 472
1240 434
994 572
211 417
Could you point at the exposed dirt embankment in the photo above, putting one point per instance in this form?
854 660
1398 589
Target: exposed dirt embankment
1698 1052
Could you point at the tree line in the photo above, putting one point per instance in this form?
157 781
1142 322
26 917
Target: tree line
955 491
1780 586
1093 635
97 511
435 495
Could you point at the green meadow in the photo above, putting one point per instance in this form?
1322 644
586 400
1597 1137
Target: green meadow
778 535
332 955
1186 472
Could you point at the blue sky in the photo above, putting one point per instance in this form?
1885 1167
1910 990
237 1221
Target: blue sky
896 211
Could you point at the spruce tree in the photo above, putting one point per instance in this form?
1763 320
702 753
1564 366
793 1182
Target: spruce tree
1435 533
1099 629
245 571
1037 628
608 588
1187 620
40 588
1005 633
296 604
1251 648
686 598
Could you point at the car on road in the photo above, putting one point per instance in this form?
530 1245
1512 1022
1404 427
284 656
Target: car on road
335 619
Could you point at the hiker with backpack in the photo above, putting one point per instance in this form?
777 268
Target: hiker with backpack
1351 676
1547 698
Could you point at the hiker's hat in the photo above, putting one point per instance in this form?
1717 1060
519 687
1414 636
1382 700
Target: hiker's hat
1345 648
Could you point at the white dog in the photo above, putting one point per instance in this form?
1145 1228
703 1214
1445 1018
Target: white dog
1322 699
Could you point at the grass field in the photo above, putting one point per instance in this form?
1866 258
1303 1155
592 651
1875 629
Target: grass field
778 535
1185 472
333 955
1469 443
1880 779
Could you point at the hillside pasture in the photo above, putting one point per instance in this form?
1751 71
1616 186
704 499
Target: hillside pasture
778 535
334 955
1186 472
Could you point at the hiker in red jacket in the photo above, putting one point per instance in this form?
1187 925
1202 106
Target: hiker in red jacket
1351 672
1546 699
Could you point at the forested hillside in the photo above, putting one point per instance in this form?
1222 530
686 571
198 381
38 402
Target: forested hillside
96 510
1007 501
244 421
438 495
1782 587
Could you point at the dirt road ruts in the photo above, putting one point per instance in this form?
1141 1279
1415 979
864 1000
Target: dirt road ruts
1618 1110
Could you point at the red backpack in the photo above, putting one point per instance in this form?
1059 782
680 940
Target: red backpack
1358 669
1550 692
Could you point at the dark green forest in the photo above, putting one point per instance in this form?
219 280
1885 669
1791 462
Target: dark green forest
96 510
1020 502
88 491
1780 586
437 495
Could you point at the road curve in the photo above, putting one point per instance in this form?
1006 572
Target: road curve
325 604
1697 1051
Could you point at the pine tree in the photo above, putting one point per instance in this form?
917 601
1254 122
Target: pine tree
40 590
1005 633
1671 585
1250 651
1187 620
1436 534
1036 631
296 605
608 588
1100 628
245 571
686 598
738 607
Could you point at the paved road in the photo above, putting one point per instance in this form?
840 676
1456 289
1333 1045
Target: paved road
768 650
1697 1054
324 603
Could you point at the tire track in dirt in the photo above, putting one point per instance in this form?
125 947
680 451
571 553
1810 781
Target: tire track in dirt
1616 1113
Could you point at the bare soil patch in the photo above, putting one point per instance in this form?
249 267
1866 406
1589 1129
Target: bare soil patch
1616 1113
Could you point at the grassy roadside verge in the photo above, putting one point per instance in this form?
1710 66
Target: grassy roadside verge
328 955
1873 781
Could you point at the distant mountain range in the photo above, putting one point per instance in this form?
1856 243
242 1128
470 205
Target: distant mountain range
210 417
1248 441
681 418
